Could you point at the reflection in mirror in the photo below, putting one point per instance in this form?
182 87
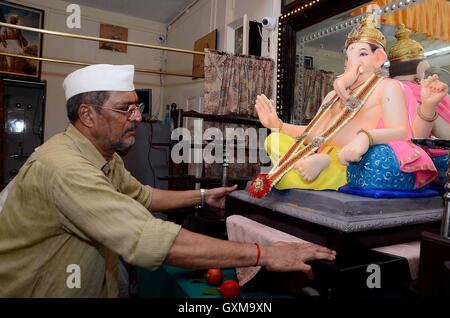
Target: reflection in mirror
319 49
284 3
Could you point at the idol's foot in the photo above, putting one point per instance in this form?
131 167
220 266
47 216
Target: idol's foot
312 166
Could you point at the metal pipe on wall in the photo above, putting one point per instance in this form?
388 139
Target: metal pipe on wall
51 60
92 38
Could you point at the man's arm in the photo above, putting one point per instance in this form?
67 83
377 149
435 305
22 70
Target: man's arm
92 209
197 251
163 200
167 200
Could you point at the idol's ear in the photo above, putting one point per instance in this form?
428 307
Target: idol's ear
421 68
380 57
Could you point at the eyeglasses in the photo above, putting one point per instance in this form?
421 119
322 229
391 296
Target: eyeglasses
130 112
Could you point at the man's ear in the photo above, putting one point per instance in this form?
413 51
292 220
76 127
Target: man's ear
86 115
380 57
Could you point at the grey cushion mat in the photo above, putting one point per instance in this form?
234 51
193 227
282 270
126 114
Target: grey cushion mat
348 213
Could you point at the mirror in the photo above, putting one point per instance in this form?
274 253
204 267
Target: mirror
319 48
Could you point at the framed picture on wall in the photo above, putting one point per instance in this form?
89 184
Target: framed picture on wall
309 62
208 41
113 32
19 42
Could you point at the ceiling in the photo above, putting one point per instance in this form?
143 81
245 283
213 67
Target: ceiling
156 10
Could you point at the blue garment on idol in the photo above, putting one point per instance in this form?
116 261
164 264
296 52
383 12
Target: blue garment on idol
441 164
379 169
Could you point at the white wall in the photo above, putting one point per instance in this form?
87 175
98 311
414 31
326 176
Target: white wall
139 30
202 18
182 34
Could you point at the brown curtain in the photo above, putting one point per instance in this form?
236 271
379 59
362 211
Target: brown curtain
231 85
430 18
317 84
233 81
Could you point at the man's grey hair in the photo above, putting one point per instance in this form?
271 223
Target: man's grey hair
73 104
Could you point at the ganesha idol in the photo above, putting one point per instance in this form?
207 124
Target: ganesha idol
428 103
362 126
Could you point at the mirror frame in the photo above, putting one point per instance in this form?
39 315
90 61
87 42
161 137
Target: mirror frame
295 17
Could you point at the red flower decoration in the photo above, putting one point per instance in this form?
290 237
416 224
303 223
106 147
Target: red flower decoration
260 186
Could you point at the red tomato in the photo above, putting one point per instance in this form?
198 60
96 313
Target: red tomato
214 276
230 289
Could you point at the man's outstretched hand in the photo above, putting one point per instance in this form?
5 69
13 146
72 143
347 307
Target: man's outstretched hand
216 197
286 257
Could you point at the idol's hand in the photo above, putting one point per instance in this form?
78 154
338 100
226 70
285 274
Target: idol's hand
266 111
432 91
355 149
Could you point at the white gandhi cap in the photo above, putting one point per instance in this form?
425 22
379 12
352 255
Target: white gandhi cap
99 77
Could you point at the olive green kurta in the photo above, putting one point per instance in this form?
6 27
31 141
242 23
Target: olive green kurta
70 206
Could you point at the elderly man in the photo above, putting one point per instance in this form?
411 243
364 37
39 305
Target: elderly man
74 207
